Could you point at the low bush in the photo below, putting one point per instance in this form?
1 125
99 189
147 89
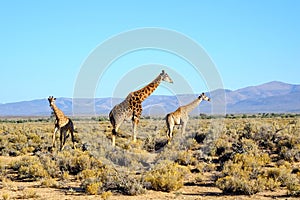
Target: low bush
75 161
29 167
50 164
243 175
166 176
106 179
49 183
293 186
93 188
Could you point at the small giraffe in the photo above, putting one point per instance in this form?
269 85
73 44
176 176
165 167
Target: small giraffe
131 107
180 116
63 123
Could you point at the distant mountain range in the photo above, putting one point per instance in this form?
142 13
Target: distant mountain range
277 97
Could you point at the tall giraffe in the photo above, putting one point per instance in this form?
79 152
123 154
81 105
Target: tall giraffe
180 116
131 107
63 123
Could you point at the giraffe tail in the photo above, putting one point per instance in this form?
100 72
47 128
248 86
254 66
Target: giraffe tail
71 129
167 119
113 123
71 125
112 119
166 116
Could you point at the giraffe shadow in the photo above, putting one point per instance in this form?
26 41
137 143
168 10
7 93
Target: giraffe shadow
160 144
123 135
199 137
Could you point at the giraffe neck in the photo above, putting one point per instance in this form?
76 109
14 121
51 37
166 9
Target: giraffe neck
146 91
191 106
58 113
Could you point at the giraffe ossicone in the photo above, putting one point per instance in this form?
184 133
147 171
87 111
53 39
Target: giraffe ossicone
131 107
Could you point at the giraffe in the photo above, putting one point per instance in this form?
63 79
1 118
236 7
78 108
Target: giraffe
63 123
180 116
131 107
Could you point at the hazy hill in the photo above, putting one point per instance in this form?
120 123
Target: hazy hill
269 97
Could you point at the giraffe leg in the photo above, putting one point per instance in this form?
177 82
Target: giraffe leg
183 128
63 134
135 122
73 139
71 129
114 133
184 121
60 139
170 125
114 130
170 130
53 137
168 122
113 140
113 137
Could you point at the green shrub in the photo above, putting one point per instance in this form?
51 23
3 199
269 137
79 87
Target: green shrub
281 174
105 179
19 141
291 152
93 188
243 175
106 195
29 168
130 184
50 165
240 185
76 161
293 186
186 158
5 196
49 183
166 176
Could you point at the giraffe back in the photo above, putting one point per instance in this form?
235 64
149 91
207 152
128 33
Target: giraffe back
122 111
177 115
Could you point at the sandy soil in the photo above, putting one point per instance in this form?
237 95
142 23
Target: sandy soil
32 190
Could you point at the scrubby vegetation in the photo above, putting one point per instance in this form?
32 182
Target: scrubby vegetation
239 154
166 176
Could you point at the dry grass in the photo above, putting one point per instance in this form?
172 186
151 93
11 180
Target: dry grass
215 157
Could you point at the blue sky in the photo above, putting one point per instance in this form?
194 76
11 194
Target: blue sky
43 44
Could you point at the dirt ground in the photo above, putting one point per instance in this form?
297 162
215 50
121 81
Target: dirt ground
32 190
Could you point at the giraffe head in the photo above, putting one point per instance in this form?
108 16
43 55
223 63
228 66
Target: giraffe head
165 77
203 97
51 100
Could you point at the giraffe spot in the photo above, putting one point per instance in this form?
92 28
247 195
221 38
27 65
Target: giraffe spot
149 90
